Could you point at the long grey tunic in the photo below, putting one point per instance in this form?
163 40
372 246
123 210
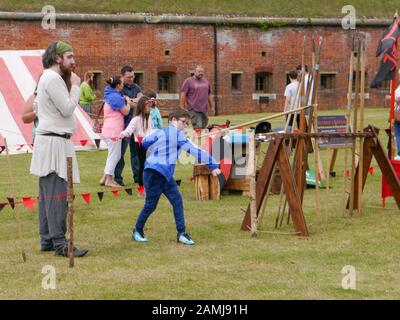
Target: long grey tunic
55 111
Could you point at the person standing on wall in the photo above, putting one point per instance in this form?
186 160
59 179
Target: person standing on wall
133 92
195 96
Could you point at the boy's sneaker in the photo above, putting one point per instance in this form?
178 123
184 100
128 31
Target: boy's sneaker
139 236
185 238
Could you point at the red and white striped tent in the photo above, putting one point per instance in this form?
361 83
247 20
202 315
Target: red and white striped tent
19 71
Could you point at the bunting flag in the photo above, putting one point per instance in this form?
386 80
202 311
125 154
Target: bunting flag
2 205
129 191
371 170
100 195
347 173
86 197
2 148
28 202
96 141
11 202
388 46
115 192
83 142
140 139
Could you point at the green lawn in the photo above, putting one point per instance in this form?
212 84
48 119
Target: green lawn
225 263
299 8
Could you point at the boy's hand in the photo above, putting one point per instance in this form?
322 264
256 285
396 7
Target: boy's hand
216 172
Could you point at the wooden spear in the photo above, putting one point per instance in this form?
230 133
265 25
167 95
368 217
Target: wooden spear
252 196
70 200
361 156
348 115
16 209
356 98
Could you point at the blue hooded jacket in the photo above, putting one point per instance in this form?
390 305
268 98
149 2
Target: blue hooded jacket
114 98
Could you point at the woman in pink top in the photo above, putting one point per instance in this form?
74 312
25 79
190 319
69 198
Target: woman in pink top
140 126
115 107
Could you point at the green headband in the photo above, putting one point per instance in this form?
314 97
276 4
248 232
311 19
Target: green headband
62 47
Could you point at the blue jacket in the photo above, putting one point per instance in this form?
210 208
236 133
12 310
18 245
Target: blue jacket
163 149
114 98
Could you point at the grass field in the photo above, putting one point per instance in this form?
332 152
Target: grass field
299 8
225 263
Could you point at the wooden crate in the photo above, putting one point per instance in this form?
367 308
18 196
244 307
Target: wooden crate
206 185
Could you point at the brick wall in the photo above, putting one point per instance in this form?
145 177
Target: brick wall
245 51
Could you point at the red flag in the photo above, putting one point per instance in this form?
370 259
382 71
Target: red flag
86 197
83 142
115 192
347 173
388 45
371 170
140 139
29 202
113 139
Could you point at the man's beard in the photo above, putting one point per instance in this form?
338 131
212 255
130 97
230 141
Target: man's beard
66 75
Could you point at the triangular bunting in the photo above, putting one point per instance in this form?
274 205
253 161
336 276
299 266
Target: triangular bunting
371 170
86 197
2 149
83 142
113 139
20 147
97 142
129 191
2 205
100 195
11 202
115 192
29 202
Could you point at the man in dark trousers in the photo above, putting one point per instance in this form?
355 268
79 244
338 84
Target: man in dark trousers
133 92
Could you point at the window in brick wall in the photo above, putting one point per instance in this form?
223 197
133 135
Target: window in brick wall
166 82
97 77
327 80
236 81
263 82
139 78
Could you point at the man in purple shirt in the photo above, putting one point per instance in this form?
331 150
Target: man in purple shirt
196 98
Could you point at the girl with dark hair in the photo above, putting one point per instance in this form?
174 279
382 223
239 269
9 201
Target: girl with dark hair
140 126
115 107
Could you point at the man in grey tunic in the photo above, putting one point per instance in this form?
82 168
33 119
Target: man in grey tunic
58 94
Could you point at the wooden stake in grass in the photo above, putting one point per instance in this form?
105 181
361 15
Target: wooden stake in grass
348 116
361 157
16 210
252 193
356 98
70 200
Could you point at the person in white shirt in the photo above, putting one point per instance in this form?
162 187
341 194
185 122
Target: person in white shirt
140 126
58 95
292 96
